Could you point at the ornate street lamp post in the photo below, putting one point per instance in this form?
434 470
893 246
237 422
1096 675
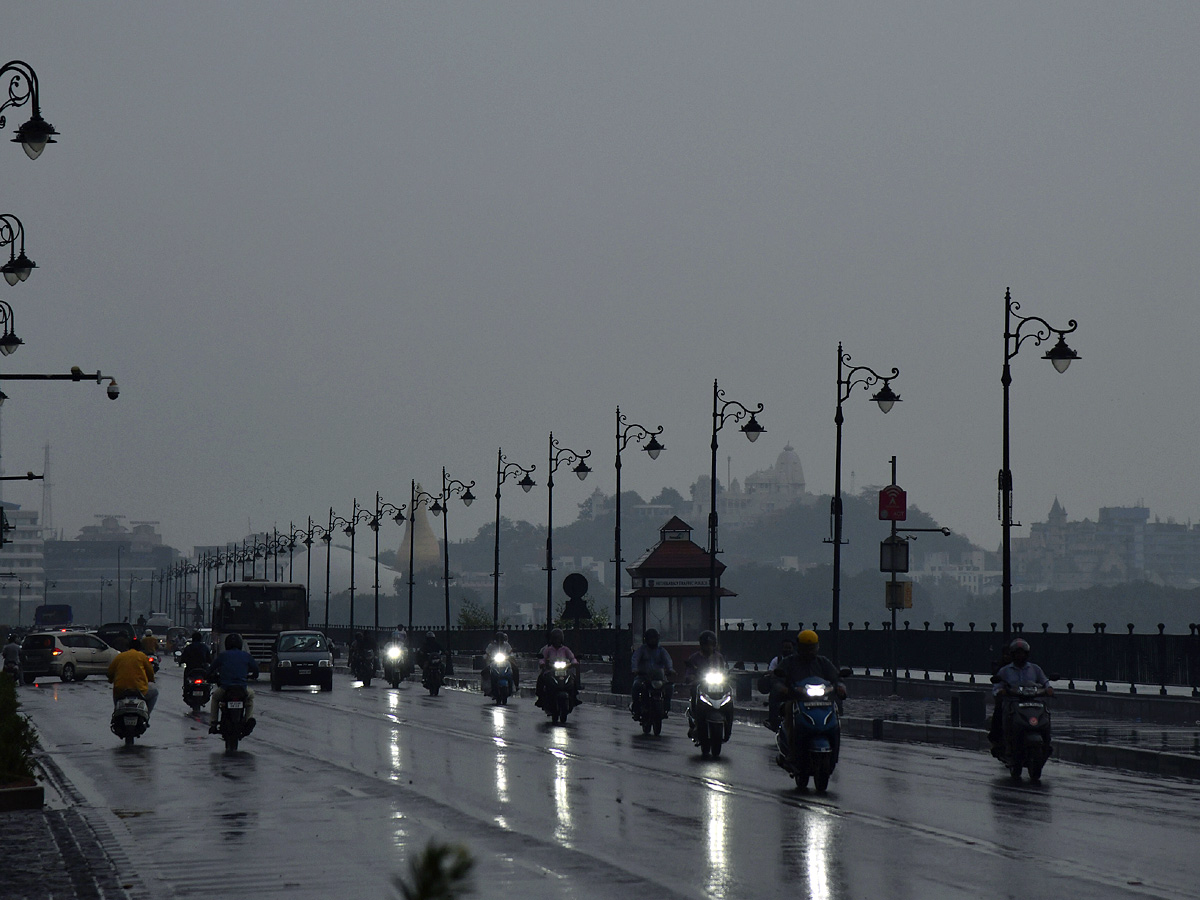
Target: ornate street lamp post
415 497
1060 356
19 267
847 380
626 431
558 455
441 506
35 134
397 514
504 469
723 410
349 527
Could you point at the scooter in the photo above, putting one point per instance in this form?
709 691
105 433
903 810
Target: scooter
196 689
364 666
131 717
1026 731
809 734
433 674
500 677
12 670
395 664
232 723
654 702
710 714
557 699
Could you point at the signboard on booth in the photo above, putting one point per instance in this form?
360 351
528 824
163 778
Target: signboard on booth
893 504
898 595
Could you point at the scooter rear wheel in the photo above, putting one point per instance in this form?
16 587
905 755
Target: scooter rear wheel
657 727
801 781
1035 770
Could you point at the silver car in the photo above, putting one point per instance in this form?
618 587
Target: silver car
301 657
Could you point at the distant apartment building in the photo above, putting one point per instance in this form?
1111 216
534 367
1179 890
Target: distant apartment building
967 569
1122 545
22 565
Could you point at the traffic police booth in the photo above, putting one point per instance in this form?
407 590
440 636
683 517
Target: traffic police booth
669 591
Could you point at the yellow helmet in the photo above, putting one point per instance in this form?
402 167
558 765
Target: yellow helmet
807 636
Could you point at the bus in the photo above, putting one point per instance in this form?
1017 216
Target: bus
53 615
258 611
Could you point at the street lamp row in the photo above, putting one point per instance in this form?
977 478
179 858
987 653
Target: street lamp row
35 134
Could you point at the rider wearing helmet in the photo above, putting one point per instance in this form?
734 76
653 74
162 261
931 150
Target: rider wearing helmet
547 656
149 642
1017 672
196 653
430 649
646 659
707 657
806 663
499 644
233 667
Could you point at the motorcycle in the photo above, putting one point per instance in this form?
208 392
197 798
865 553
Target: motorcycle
131 717
557 698
1026 731
364 666
710 714
196 689
433 674
500 677
154 660
809 734
654 702
232 723
395 664
12 670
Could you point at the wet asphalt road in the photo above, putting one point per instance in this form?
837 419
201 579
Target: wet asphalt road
332 793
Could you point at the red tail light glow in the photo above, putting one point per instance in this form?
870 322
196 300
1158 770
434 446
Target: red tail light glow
56 652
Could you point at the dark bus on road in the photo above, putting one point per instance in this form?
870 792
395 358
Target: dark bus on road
258 611
53 615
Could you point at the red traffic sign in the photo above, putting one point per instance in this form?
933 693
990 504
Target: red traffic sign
893 505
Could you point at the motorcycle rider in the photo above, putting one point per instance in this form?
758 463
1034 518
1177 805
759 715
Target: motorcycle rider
149 642
499 644
130 670
707 657
195 654
399 635
362 649
1019 671
233 667
554 651
768 681
430 649
807 663
646 659
12 656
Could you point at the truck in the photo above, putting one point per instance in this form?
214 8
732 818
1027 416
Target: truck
258 611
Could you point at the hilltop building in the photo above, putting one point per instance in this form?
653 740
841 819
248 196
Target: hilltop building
762 492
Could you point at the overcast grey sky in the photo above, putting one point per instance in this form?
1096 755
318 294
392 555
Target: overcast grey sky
327 248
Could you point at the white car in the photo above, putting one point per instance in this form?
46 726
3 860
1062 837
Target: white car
69 655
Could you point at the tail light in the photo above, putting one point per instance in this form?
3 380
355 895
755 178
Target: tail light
197 681
56 652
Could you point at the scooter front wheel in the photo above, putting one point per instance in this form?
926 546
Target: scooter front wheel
716 737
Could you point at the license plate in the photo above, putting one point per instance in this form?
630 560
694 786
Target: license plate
234 704
131 721
304 671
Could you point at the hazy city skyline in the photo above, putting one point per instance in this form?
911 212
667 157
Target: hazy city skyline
328 250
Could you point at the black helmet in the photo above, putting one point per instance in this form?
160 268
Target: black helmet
1019 644
708 637
651 637
197 637
556 635
430 634
233 641
501 637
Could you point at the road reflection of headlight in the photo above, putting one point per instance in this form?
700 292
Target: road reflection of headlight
716 834
394 754
818 841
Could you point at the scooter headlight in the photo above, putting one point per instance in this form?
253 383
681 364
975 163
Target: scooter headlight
393 653
714 679
560 665
814 690
500 659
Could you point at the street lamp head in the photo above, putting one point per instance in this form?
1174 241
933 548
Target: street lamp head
34 135
886 398
112 390
374 524
1060 355
752 429
18 268
327 537
582 470
468 498
653 447
436 509
3 397
9 343
526 483
348 530
399 517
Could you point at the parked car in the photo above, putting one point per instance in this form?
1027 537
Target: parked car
69 655
301 657
117 634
